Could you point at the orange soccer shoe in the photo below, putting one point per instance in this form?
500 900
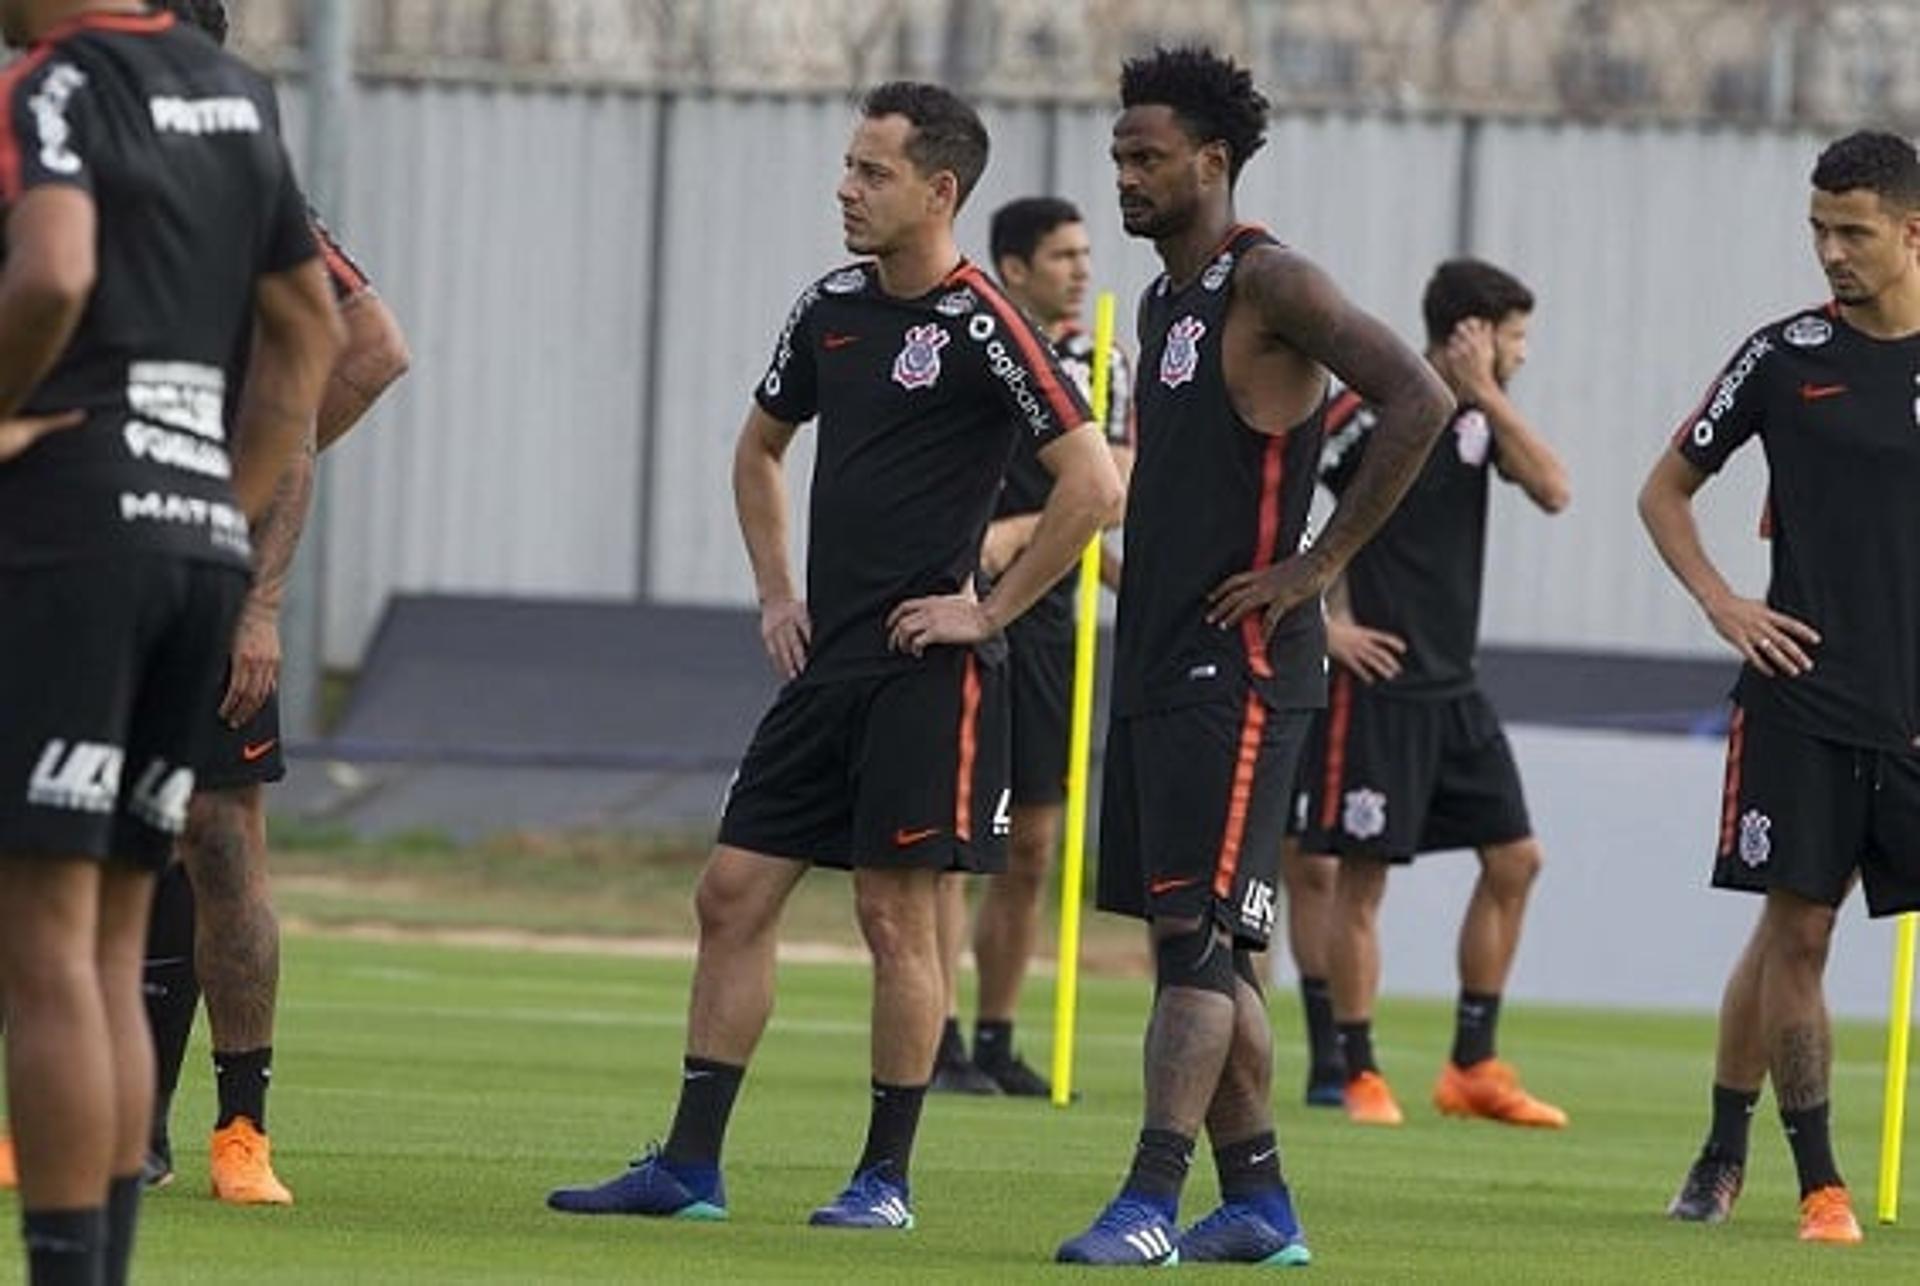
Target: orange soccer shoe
9 1172
1826 1215
1370 1102
242 1165
1492 1090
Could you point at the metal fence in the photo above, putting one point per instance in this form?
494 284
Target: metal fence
1810 62
592 280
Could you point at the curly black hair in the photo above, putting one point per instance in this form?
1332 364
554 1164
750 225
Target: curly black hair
1213 97
208 15
1879 162
947 132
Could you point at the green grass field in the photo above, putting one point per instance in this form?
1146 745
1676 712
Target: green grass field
426 1098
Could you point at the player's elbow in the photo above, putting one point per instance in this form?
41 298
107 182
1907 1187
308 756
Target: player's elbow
377 354
55 286
1553 494
1107 498
1434 405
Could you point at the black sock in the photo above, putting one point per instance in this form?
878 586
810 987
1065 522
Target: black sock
1323 1042
1812 1148
242 1078
1250 1169
123 1212
953 1049
172 991
65 1247
890 1130
707 1091
1732 1119
1160 1162
1474 1021
992 1043
1356 1047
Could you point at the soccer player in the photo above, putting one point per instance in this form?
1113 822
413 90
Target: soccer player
885 751
151 219
1219 654
1823 758
1044 260
235 950
1410 757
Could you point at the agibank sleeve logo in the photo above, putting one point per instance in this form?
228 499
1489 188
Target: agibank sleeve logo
1182 356
918 363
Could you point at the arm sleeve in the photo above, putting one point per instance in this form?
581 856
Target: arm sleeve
1024 371
790 390
348 278
1349 422
47 132
1732 411
289 240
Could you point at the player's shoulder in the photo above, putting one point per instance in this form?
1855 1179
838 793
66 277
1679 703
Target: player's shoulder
841 281
1805 329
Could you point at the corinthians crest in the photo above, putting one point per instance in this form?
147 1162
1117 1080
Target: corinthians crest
918 363
1181 357
1364 815
1756 837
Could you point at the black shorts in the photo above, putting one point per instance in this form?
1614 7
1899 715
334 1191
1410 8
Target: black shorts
1192 808
1388 778
902 770
107 671
1040 689
245 756
1804 815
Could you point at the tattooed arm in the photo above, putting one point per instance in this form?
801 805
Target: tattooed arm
1300 306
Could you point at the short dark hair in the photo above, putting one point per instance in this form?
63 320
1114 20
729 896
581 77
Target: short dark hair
208 15
1872 159
1471 288
947 132
1213 97
1020 226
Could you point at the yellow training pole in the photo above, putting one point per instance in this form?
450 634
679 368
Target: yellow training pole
1893 1111
1066 998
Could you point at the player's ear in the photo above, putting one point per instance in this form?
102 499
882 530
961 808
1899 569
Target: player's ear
944 193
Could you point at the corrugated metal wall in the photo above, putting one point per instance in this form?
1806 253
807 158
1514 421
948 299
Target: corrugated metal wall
534 451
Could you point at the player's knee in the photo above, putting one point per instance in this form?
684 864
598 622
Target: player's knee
1360 886
728 901
1195 956
1512 868
1310 876
1799 932
893 921
217 846
1029 854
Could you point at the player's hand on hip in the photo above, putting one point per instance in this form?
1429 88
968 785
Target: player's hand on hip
921 623
787 631
1772 642
256 664
21 432
1374 655
1272 591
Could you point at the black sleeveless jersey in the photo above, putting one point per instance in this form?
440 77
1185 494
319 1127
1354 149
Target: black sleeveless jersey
1210 497
1838 414
178 144
1421 575
920 402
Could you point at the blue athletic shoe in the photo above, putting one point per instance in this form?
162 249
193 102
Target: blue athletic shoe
1128 1233
649 1187
1243 1233
1328 1092
872 1200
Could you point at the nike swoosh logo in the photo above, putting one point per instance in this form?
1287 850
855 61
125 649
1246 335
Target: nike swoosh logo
1261 1158
907 839
833 341
1158 887
1816 392
253 754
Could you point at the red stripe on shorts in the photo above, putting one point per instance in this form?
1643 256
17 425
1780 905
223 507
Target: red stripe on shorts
969 750
1241 796
1730 797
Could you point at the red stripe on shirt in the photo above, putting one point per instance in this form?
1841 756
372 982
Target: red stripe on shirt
1056 396
1273 472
